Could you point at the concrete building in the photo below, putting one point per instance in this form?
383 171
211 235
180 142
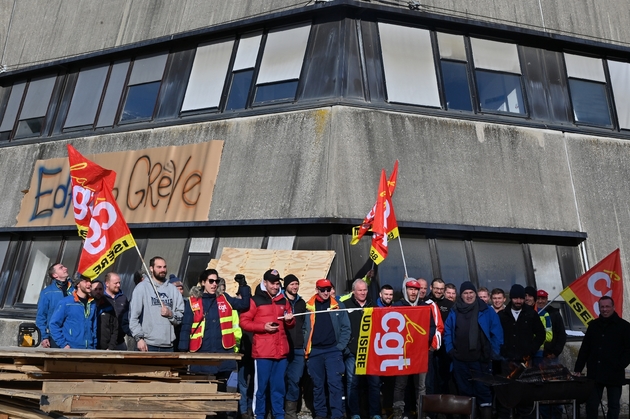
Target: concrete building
509 119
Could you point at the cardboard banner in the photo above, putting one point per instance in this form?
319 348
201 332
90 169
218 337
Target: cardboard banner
605 278
385 227
165 184
359 231
394 341
107 237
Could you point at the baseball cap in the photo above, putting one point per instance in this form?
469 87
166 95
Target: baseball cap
272 275
323 283
412 283
542 293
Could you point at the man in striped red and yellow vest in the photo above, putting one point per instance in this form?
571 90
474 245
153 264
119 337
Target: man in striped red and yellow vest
210 322
268 317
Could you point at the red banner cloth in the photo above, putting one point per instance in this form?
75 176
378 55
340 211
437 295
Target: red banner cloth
394 341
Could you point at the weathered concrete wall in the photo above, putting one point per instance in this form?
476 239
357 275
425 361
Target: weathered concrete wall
36 31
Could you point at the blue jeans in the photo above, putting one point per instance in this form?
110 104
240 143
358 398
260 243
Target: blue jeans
245 378
469 387
352 389
592 404
159 348
326 367
269 374
295 369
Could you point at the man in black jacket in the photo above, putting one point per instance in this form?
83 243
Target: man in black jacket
295 368
523 334
605 351
119 301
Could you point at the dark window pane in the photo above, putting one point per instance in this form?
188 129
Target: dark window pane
590 102
500 92
4 136
456 86
29 127
321 71
500 265
239 90
140 101
276 91
453 262
417 256
196 265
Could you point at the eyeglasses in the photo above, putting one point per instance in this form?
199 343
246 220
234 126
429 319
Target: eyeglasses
213 281
327 289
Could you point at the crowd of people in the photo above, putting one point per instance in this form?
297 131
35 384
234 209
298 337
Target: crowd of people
298 348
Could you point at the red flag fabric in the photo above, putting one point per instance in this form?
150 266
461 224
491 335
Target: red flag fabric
394 341
108 236
385 227
605 278
359 231
88 178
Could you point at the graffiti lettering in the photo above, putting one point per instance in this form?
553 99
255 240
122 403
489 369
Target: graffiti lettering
61 194
151 182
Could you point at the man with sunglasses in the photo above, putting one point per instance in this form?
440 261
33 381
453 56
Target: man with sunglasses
327 333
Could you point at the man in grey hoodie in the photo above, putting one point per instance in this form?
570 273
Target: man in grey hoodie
152 317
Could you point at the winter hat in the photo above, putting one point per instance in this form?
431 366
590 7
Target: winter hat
467 285
517 291
529 290
290 278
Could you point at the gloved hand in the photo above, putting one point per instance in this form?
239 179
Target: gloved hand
240 279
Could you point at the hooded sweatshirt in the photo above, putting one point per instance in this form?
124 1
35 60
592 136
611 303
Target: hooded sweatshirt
155 329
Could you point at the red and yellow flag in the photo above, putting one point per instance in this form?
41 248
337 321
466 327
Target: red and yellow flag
366 225
96 213
385 227
602 279
87 178
394 341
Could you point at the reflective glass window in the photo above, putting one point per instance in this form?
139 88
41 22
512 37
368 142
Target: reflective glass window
43 253
171 249
239 90
418 259
276 91
499 265
546 268
113 93
140 102
283 54
87 96
453 262
620 83
456 86
11 111
500 92
590 102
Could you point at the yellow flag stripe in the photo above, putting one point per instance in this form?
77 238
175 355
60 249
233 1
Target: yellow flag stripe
363 347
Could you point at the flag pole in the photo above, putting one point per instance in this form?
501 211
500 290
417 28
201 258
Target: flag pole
403 257
144 265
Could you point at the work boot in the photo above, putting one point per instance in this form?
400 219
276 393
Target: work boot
290 409
485 412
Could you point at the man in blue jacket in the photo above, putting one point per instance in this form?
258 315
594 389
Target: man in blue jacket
48 300
73 324
473 337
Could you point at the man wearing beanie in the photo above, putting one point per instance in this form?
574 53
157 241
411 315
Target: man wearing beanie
523 334
295 368
327 334
473 337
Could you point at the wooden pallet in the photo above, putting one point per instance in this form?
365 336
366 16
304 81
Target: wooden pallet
42 383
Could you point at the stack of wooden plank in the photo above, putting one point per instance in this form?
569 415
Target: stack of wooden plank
44 383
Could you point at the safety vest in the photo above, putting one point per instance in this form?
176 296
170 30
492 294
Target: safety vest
310 306
228 319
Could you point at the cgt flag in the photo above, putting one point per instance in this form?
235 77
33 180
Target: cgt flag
394 341
87 178
385 227
602 279
359 231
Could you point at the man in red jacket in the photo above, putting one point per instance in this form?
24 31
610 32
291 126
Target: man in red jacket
268 317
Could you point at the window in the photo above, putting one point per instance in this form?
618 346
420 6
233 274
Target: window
207 78
114 90
498 76
453 63
587 85
11 110
281 64
87 96
409 67
620 83
500 265
243 71
31 100
143 88
453 261
417 257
